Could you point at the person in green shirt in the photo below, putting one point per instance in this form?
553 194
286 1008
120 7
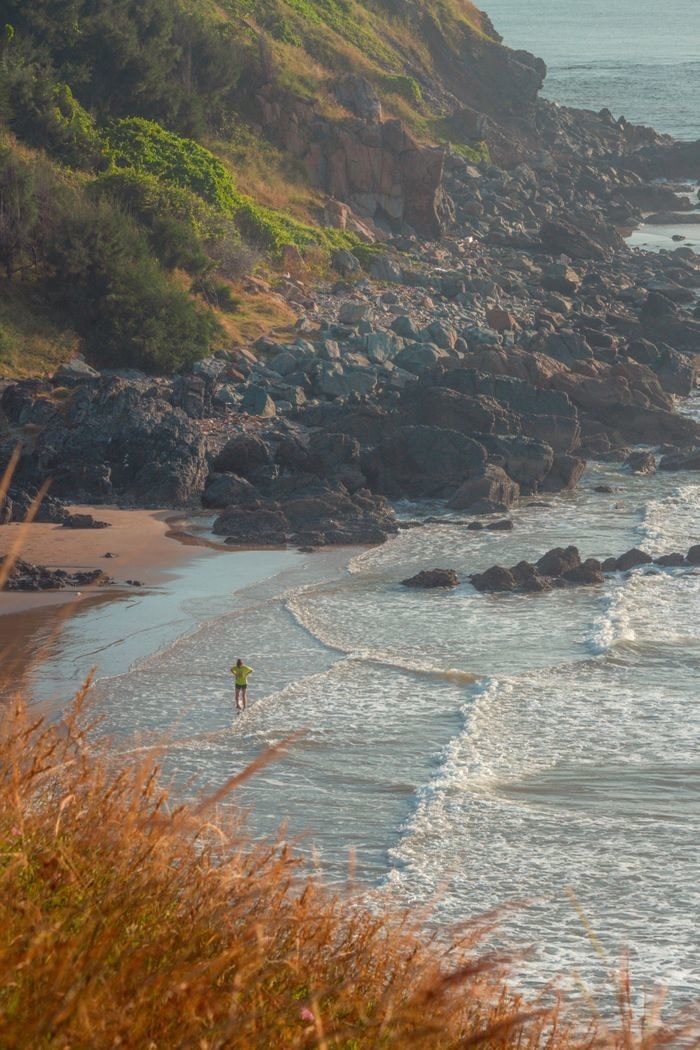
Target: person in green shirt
240 672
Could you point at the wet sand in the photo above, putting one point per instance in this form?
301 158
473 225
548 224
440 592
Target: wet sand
144 545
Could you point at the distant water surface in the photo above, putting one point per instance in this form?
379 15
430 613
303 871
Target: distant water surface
639 58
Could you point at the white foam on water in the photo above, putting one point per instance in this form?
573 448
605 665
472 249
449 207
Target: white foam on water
613 625
673 522
582 776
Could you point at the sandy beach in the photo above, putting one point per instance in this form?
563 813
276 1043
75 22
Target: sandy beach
50 640
143 544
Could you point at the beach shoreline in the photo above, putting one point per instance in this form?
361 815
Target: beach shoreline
139 544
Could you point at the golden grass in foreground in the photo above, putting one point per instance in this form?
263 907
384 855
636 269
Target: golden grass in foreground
127 921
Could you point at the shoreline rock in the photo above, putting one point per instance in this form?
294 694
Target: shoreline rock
563 567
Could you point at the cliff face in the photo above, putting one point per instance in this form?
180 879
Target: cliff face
374 165
379 167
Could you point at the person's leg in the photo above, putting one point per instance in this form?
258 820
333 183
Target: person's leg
244 692
238 698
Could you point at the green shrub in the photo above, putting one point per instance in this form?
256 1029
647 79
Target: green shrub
172 216
477 153
116 295
147 147
405 86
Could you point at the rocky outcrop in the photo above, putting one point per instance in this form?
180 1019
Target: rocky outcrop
489 491
562 567
423 462
320 518
113 439
27 577
375 166
84 521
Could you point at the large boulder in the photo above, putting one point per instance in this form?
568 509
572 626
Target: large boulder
118 439
242 454
641 462
681 460
492 485
257 402
432 578
529 579
517 394
558 561
225 490
494 579
559 277
588 572
565 473
438 406
418 461
632 558
255 523
420 358
524 460
567 239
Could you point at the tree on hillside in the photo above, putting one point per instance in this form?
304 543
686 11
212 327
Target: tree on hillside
149 58
18 211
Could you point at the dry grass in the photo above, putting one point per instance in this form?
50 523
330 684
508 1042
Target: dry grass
129 920
255 315
32 341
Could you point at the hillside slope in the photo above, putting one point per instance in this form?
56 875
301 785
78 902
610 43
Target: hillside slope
153 153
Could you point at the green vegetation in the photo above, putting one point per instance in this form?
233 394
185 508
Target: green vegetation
144 147
478 153
406 87
136 118
147 147
92 264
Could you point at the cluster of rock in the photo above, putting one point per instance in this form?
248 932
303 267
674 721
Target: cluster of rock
27 577
563 567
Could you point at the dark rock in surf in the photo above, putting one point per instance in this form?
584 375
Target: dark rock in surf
558 561
632 558
495 579
589 572
430 578
529 579
671 561
681 460
643 462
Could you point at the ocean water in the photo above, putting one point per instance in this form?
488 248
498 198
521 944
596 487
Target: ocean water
635 57
461 752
